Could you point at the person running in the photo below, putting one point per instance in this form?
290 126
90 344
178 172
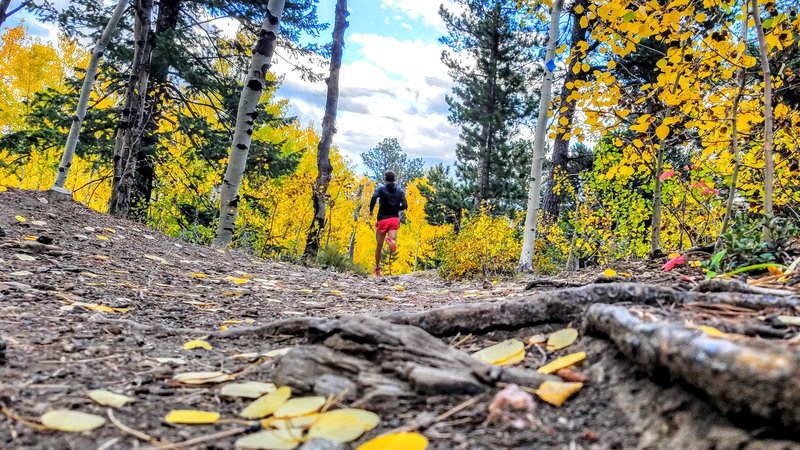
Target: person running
392 201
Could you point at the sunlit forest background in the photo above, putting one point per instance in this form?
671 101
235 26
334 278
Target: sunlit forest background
647 96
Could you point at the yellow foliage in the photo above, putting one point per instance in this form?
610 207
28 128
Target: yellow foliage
486 246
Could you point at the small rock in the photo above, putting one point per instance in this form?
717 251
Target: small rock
329 384
46 240
321 444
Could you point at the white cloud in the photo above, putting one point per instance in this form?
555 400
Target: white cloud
392 88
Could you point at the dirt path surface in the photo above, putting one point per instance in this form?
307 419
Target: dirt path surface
57 294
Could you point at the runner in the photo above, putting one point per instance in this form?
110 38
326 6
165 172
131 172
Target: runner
392 201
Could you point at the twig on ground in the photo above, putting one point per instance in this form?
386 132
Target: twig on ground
23 420
200 440
416 426
128 430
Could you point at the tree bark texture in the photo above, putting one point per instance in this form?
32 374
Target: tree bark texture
534 194
245 121
655 230
131 123
319 195
351 249
737 157
769 162
146 148
86 91
551 204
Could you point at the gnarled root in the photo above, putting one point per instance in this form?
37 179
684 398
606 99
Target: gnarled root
753 379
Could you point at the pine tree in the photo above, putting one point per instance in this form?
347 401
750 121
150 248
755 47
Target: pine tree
389 155
445 199
489 58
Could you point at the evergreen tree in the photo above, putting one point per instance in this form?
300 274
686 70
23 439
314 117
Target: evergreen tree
490 59
389 155
445 199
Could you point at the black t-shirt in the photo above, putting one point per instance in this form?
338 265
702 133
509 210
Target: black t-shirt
392 201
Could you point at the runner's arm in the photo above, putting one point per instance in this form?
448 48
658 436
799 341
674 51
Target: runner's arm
374 199
403 201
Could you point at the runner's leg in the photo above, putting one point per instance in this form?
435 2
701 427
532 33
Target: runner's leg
379 237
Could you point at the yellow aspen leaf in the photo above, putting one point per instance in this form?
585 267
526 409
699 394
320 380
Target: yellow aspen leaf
223 328
662 132
102 238
562 363
585 67
277 352
396 441
301 422
31 238
197 343
343 425
701 17
199 275
579 9
191 417
306 291
282 439
611 64
789 320
711 331
236 280
267 404
501 352
513 359
24 257
20 219
299 407
584 21
399 288
157 259
576 69
557 392
69 420
638 143
537 339
336 293
609 273
202 377
562 338
108 398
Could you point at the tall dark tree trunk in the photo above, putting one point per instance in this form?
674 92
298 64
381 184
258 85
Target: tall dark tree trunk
324 168
5 13
551 204
157 96
131 122
484 162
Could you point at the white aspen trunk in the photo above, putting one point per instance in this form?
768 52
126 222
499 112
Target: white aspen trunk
245 119
735 140
769 162
83 101
351 249
535 186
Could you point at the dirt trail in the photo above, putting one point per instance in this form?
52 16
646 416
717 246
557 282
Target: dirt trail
105 268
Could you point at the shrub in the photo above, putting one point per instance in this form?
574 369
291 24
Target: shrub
486 246
333 257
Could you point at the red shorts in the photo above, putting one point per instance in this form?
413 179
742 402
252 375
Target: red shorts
387 225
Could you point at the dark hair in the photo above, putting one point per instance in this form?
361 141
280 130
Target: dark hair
389 176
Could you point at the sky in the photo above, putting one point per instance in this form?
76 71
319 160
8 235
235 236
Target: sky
392 83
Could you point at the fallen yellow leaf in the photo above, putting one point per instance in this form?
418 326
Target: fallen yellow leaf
504 353
399 288
562 363
561 339
202 377
199 275
282 439
107 398
197 343
31 237
301 422
609 273
20 219
68 420
557 392
102 238
247 389
235 280
191 417
537 339
156 259
396 441
299 407
343 425
267 404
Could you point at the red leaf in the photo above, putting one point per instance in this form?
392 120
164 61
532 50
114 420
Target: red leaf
667 175
676 261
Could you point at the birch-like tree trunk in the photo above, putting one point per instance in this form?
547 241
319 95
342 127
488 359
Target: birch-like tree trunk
737 157
769 162
245 120
324 168
535 186
655 227
132 119
86 91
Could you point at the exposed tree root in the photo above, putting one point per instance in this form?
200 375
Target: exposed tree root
722 285
756 379
381 359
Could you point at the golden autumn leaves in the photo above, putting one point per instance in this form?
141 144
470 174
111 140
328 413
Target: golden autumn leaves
512 351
